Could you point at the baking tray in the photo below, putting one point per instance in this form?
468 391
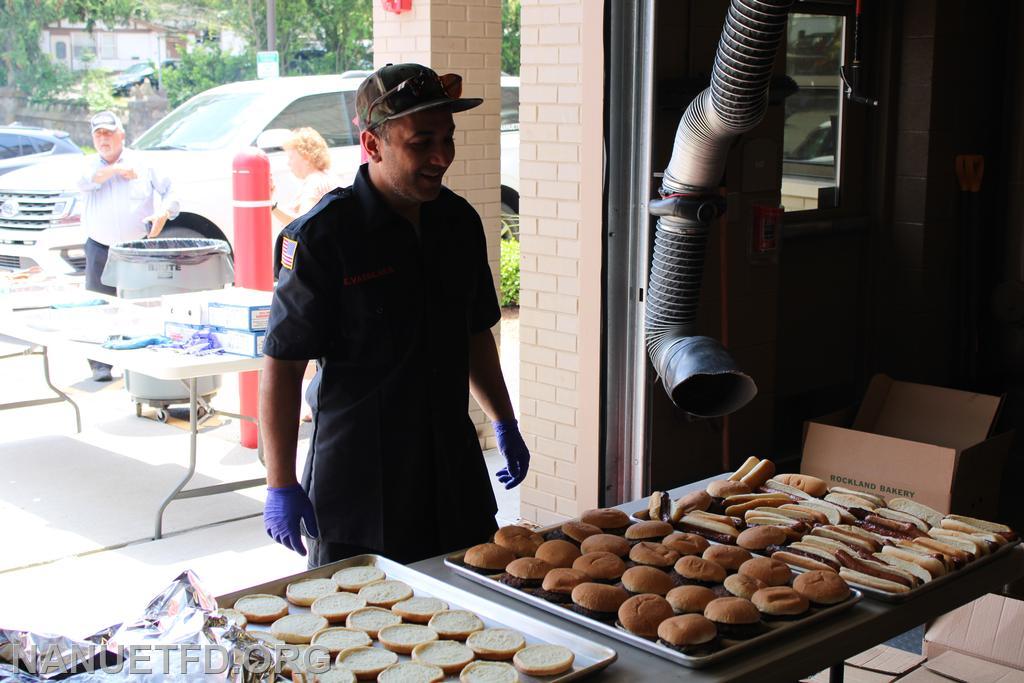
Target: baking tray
729 649
590 656
895 598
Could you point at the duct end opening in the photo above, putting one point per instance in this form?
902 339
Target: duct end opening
703 379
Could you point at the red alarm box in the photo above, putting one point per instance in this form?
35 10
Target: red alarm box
396 6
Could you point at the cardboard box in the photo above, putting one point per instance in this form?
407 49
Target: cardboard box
930 444
955 666
235 342
880 664
239 309
188 308
990 628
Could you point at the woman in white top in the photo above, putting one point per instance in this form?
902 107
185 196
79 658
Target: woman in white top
308 160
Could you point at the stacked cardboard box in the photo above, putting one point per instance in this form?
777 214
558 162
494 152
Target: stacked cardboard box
237 318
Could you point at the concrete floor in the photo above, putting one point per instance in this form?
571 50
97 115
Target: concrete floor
77 510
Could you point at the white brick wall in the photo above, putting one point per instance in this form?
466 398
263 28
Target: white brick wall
561 131
463 36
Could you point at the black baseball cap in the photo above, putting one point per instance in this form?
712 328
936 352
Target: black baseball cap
396 90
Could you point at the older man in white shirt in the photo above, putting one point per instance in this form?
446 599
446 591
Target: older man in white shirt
124 199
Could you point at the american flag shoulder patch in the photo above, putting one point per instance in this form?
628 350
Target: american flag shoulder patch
288 253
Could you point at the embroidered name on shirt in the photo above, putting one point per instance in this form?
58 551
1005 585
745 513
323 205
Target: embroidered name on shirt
366 277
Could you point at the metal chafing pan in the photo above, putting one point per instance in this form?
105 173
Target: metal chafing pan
589 656
729 647
874 593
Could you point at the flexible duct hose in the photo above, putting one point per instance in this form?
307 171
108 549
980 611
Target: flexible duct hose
697 372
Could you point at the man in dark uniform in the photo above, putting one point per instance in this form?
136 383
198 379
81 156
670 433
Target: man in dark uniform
387 284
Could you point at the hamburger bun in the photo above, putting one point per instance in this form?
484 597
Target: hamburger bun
648 531
600 566
653 554
297 628
578 531
262 608
402 638
488 558
351 579
780 601
730 557
641 614
608 543
691 502
558 553
543 660
365 662
407 672
335 607
525 572
598 601
559 582
687 632
821 587
742 586
805 482
760 537
456 624
686 544
520 540
723 488
305 592
447 654
734 617
483 671
641 579
385 593
690 599
371 620
697 570
496 643
418 610
608 519
770 572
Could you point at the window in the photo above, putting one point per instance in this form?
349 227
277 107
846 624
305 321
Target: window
329 114
60 50
10 146
509 107
83 47
107 45
814 121
41 145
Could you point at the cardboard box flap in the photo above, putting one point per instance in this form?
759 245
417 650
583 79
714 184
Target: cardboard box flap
923 675
991 627
852 674
966 669
927 414
885 659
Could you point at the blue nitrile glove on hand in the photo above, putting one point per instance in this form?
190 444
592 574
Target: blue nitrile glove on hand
284 509
517 457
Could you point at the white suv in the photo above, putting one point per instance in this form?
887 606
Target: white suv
195 145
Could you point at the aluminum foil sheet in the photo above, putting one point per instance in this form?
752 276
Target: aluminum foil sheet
178 637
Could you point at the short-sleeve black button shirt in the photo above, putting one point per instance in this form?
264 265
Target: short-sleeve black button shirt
389 315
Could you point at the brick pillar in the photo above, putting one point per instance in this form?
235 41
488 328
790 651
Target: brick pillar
461 36
561 132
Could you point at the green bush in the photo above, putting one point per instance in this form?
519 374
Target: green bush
509 267
50 80
96 90
203 68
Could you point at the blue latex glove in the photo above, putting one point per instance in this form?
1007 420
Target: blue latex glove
517 457
284 509
120 344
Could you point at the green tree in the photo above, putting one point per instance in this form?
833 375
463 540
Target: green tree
345 29
510 13
21 25
204 67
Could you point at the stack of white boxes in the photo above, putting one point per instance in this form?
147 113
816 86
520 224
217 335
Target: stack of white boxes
237 318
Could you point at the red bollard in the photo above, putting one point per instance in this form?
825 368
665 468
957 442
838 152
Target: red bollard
250 173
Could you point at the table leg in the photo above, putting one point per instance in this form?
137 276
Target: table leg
46 376
61 396
178 493
835 672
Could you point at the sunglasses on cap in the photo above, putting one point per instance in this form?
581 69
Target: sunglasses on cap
413 91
